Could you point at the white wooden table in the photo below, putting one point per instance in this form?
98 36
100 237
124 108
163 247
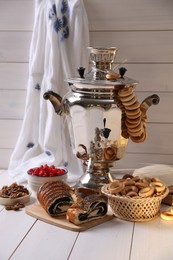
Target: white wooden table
24 237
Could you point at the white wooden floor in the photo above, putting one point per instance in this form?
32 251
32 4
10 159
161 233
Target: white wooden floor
24 237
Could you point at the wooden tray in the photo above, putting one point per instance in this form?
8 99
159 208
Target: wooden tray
35 210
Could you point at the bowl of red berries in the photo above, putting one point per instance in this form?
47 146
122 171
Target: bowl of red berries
39 175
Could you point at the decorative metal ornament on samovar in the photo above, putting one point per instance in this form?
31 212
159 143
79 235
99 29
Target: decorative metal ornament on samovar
104 113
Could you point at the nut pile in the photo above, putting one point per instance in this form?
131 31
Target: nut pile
15 207
136 187
13 191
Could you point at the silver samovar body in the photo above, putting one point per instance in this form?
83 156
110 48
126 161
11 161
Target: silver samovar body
97 115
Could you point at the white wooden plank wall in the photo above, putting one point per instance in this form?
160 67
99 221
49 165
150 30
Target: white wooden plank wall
143 32
16 24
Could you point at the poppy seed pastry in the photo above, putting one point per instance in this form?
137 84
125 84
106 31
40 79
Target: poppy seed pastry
55 197
82 192
92 207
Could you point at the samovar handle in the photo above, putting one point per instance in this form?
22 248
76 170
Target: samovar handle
151 100
58 103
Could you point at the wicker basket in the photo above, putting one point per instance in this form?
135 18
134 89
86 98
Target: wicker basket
134 209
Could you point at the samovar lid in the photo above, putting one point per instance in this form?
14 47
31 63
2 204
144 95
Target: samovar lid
94 83
101 59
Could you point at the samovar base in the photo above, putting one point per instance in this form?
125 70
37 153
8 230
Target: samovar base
94 181
96 175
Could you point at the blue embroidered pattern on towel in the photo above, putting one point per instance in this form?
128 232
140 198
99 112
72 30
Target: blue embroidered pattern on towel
65 164
60 22
30 145
57 25
37 86
48 153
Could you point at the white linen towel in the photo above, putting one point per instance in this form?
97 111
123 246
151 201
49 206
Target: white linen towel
58 47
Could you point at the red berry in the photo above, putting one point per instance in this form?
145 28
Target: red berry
46 171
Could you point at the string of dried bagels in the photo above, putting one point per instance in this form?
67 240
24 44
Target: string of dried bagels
134 116
133 113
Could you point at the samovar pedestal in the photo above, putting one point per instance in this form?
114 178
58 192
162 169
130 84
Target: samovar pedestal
96 176
94 181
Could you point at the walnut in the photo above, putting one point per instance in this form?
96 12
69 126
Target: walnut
15 207
13 191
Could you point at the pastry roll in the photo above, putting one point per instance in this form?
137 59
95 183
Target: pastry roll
90 208
55 197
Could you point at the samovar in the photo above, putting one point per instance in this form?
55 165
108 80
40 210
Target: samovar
104 113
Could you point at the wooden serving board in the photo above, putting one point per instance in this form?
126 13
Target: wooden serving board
35 210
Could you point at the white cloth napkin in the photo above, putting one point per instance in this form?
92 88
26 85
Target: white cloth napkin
58 47
162 171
